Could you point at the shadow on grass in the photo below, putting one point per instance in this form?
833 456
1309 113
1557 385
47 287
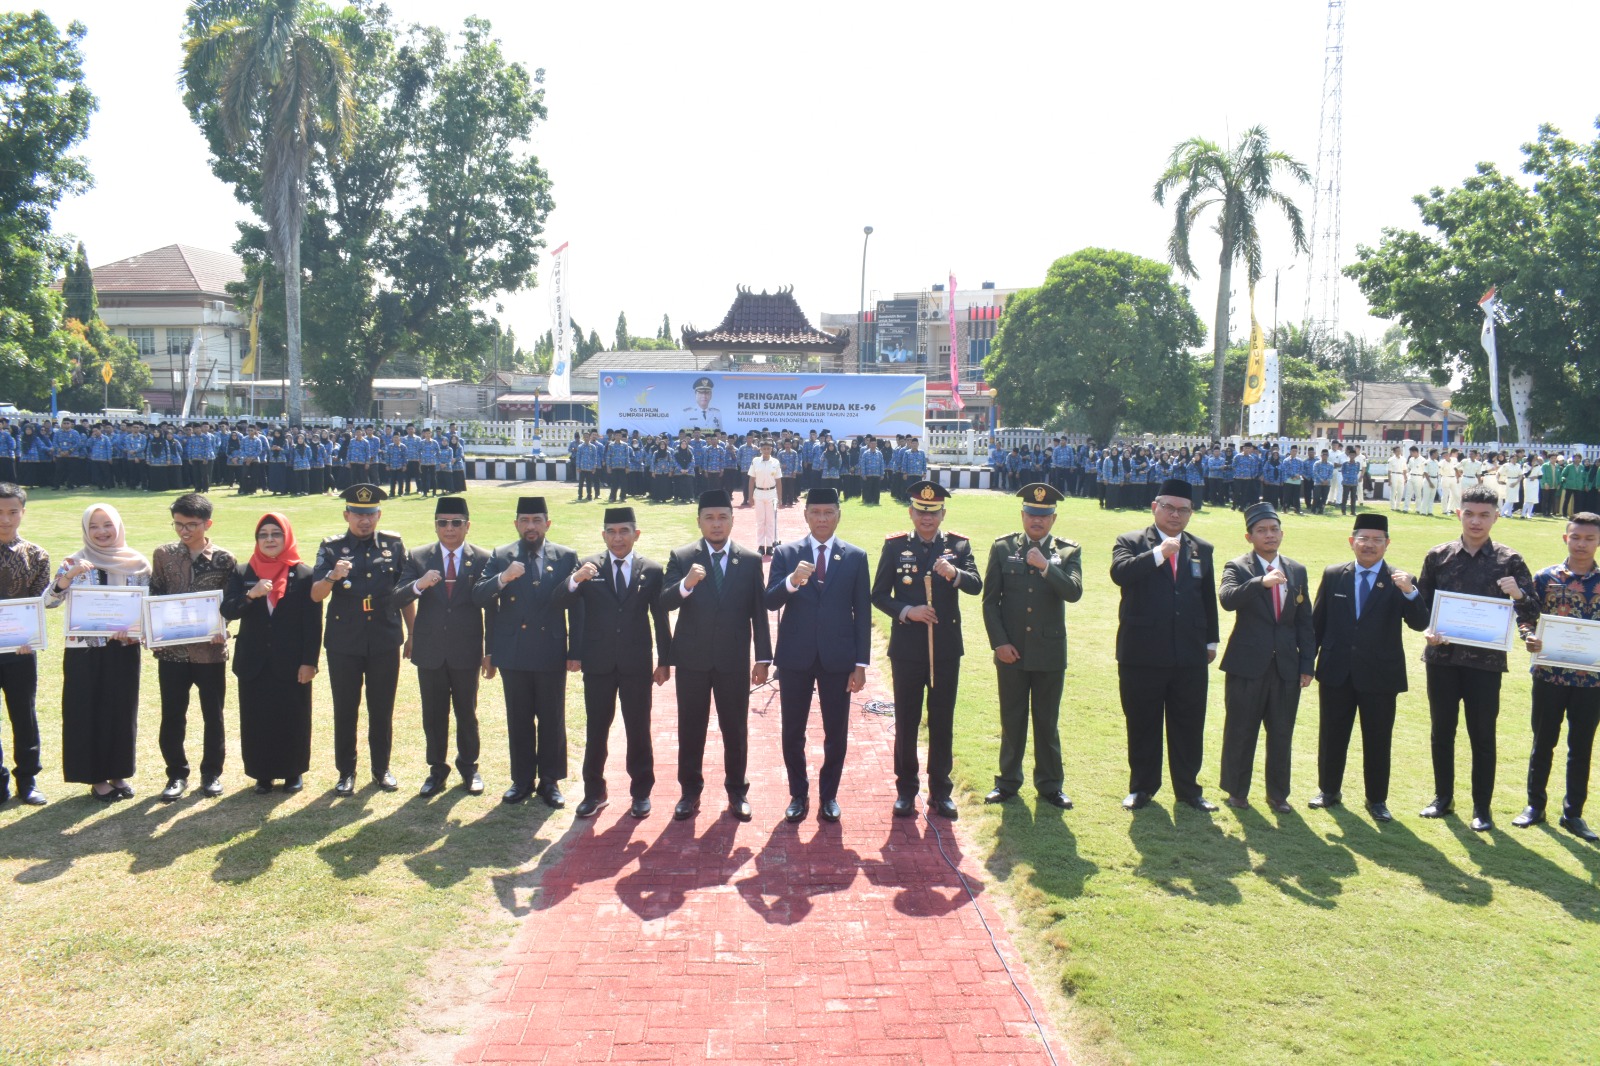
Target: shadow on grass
790 872
1395 846
1500 855
1040 838
1295 860
1186 854
679 862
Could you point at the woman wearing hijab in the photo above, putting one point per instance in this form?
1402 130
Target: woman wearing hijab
275 657
100 676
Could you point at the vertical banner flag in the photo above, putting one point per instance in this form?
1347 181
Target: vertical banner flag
560 381
1487 306
1255 374
251 362
955 363
1522 403
191 368
1264 420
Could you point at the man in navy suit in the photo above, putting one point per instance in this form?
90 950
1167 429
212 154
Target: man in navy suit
824 641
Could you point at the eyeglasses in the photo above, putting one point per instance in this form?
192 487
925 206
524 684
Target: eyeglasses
451 522
188 527
272 535
1169 509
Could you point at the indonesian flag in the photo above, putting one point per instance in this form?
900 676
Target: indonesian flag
1487 306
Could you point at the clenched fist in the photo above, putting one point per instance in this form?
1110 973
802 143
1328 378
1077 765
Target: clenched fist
945 569
1038 560
1274 578
1402 581
1508 585
341 570
512 572
429 579
259 589
585 572
802 573
697 574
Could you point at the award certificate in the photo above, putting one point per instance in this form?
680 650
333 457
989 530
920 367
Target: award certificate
22 623
104 611
1569 643
1476 621
186 618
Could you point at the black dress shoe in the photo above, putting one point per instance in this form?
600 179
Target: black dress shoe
687 808
1135 800
905 806
1579 828
945 807
1529 816
1238 803
1481 822
640 808
739 807
474 785
516 794
1323 800
387 782
346 786
1281 806
1379 812
432 785
1200 803
263 786
211 787
176 787
30 795
551 794
294 784
591 806
998 795
1438 808
798 806
123 791
105 797
829 811
1057 798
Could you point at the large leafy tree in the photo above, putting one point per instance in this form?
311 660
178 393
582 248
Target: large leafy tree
1238 183
1104 341
1540 246
91 346
273 77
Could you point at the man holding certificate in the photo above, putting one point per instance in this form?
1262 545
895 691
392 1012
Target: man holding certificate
24 573
1568 594
1466 583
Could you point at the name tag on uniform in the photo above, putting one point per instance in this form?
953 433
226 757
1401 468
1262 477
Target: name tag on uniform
1194 569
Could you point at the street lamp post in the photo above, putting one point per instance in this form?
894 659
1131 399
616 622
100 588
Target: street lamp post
861 307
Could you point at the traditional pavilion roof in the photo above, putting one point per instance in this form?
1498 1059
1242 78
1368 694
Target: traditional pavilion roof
770 321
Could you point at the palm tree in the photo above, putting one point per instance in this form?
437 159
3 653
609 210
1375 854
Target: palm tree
1239 182
279 75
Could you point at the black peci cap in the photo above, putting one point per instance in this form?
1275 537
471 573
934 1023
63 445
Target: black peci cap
531 505
618 515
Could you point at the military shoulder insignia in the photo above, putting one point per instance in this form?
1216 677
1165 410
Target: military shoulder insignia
897 536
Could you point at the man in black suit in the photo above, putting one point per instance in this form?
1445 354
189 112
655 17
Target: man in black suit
1361 662
533 641
1268 661
446 642
621 594
920 577
824 643
716 587
1166 637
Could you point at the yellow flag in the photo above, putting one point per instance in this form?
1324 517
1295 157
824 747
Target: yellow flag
248 364
1255 374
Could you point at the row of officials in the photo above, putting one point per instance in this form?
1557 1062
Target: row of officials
532 611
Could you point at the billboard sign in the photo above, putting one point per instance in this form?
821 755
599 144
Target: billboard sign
897 331
664 401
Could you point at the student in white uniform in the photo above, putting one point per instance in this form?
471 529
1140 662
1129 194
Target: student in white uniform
765 475
1531 472
1430 483
1450 481
1397 479
1416 472
1511 479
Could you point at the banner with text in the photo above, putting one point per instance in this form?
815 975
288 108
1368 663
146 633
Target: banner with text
664 401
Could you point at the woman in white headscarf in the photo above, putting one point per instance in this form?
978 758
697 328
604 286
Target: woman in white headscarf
100 679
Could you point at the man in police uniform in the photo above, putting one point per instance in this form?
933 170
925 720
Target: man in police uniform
360 570
1030 578
701 413
900 590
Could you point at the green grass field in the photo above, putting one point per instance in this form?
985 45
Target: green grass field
296 928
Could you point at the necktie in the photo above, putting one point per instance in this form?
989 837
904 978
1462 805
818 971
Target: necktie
621 584
1174 562
716 568
822 562
449 574
1363 590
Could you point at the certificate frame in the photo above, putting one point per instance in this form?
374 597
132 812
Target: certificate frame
1569 633
132 606
155 626
14 623
1477 635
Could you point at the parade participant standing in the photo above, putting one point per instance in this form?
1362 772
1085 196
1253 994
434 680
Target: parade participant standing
428 464
1295 472
622 610
1166 638
910 566
1570 589
24 574
1246 476
819 584
716 587
1397 480
1029 579
1450 481
1361 663
1321 482
1268 661
1465 680
617 454
533 641
1349 483
360 569
192 563
871 465
279 645
765 477
446 642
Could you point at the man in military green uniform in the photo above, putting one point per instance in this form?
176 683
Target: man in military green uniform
1030 578
911 566
360 570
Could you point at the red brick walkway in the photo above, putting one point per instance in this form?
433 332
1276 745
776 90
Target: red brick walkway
715 940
